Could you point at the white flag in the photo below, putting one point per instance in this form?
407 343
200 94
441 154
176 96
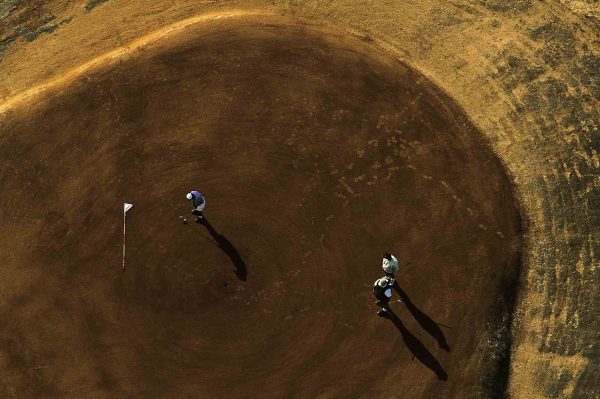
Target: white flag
127 207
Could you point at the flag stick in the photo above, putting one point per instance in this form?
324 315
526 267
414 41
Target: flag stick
124 214
126 207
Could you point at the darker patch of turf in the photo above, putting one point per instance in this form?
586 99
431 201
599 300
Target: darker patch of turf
507 5
93 4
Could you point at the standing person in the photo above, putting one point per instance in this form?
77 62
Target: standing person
382 289
198 204
390 265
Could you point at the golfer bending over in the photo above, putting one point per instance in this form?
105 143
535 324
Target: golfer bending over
198 204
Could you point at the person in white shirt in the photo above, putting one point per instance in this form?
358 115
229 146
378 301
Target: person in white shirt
390 264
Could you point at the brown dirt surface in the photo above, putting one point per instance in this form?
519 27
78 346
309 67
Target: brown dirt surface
316 151
322 133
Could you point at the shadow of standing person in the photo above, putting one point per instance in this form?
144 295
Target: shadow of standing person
424 321
417 348
226 246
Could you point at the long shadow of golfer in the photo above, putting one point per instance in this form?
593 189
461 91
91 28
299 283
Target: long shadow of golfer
417 348
226 246
424 321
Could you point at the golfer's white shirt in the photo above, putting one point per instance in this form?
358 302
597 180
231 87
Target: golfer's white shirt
390 266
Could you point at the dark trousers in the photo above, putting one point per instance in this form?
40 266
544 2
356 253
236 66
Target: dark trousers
384 300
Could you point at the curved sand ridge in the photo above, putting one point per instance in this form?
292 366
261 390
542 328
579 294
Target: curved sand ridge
316 152
113 56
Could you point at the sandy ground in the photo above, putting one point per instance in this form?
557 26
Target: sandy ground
524 76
